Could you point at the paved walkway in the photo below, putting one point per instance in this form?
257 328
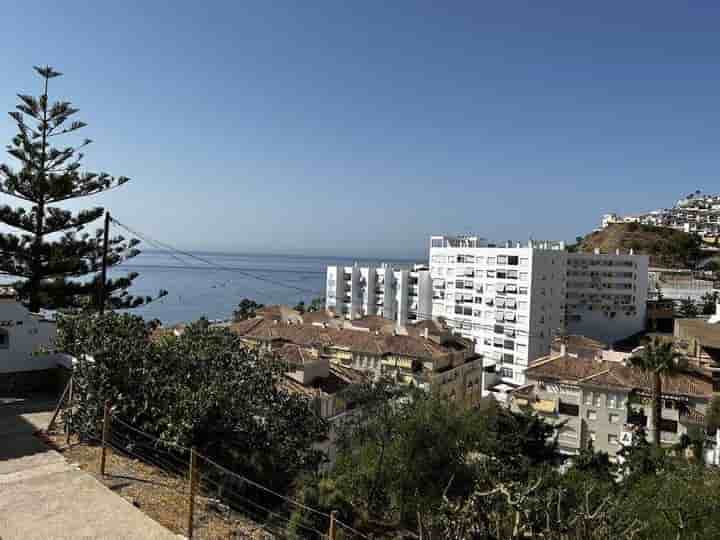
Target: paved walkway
42 497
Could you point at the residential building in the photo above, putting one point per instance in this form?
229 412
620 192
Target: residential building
402 294
23 335
699 340
604 402
434 361
696 213
511 298
310 373
606 294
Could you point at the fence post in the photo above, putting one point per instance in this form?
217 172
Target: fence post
332 533
105 435
191 497
68 408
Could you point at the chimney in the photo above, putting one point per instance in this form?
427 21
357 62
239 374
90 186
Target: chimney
563 348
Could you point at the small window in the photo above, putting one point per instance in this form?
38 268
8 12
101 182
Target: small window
614 418
4 339
612 440
592 415
588 398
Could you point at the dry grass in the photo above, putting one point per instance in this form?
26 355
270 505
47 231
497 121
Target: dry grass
160 495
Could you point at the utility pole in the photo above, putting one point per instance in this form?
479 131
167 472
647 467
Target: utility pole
103 274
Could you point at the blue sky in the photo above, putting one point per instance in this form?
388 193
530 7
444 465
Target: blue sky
360 128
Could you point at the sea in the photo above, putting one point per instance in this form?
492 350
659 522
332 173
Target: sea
214 288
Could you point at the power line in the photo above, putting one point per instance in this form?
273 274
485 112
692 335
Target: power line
210 263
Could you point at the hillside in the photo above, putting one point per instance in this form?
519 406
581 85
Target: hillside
666 247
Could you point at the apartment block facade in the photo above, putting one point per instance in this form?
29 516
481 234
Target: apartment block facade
509 299
400 294
604 402
606 294
512 299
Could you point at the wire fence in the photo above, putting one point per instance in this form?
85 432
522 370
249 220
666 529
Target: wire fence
194 495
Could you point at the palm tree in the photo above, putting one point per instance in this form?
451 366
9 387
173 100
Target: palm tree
658 359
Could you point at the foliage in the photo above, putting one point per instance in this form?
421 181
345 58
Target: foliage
408 451
712 416
53 250
688 309
246 310
666 247
201 389
658 359
300 307
317 304
709 301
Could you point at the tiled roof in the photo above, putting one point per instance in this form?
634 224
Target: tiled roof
337 380
616 375
353 340
373 322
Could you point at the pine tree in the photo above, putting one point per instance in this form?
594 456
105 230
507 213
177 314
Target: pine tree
57 260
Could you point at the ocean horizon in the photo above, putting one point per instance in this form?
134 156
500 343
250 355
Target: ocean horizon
196 289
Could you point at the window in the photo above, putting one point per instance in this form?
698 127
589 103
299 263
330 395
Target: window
592 436
524 261
491 273
612 401
569 409
507 358
588 398
4 339
598 400
513 260
614 418
522 290
502 259
592 415
523 276
491 260
612 439
506 372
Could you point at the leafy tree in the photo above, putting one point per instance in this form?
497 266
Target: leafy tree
52 253
688 310
709 301
658 359
317 304
246 309
596 464
300 307
202 389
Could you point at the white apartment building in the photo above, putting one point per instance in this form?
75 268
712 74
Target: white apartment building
512 298
606 294
399 294
508 298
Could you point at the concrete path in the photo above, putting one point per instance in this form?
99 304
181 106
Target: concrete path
42 497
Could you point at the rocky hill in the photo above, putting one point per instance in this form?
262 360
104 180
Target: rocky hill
666 247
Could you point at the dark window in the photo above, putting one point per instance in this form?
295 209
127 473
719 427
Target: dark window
508 358
668 425
513 259
569 409
499 329
509 344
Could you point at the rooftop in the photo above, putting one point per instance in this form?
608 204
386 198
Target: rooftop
581 371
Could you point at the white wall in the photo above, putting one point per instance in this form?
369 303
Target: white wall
26 335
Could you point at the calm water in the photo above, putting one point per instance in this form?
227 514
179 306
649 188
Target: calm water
196 289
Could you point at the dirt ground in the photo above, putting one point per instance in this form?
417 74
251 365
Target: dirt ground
160 495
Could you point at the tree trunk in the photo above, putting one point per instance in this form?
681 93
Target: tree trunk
657 407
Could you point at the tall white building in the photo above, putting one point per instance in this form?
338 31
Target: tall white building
511 298
400 294
606 294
